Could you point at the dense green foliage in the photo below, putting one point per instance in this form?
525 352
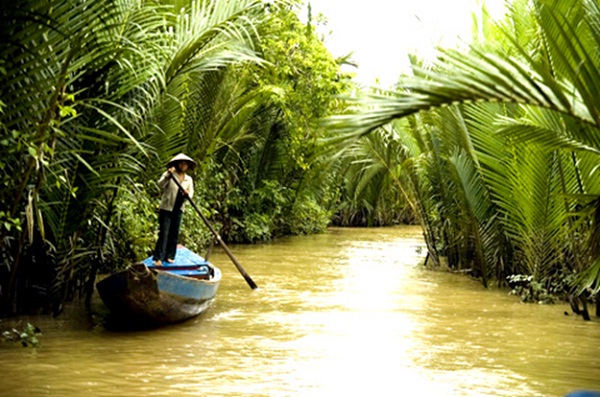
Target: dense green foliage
500 155
372 190
493 150
99 95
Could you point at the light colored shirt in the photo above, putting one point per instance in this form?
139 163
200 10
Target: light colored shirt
169 190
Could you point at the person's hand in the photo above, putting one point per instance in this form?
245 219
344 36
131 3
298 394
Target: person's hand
171 170
186 193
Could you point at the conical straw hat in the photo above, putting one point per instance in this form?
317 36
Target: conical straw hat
181 157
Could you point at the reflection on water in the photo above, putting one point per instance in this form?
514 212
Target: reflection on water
344 313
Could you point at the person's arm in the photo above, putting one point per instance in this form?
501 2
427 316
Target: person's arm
191 188
165 178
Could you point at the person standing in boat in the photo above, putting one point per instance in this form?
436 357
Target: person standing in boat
172 204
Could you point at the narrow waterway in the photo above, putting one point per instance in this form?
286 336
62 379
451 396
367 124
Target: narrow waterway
346 313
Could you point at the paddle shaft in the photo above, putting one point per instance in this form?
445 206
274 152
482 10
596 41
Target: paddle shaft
249 280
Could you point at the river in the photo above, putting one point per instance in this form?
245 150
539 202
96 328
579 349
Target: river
346 313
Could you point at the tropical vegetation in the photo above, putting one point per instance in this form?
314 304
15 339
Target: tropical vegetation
492 150
99 95
25 335
498 150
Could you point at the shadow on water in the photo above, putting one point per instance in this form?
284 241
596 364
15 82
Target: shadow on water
121 324
115 323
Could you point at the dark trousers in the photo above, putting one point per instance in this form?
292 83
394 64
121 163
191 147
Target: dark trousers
169 223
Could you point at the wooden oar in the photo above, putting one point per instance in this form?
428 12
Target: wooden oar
251 283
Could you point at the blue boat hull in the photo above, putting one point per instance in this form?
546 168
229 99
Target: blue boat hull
172 293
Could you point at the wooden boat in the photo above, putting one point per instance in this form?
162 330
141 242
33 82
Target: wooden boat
170 293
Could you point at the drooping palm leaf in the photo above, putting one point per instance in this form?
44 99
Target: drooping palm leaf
548 62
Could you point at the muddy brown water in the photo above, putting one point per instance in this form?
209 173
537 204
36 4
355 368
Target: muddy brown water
346 313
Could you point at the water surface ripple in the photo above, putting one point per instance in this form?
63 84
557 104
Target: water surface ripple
345 313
